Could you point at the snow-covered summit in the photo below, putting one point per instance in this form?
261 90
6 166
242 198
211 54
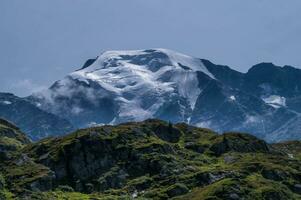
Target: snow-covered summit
151 59
160 72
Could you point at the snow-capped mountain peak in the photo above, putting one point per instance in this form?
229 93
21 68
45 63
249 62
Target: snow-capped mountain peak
152 59
159 72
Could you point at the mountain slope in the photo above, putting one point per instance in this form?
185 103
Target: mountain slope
121 86
32 120
153 160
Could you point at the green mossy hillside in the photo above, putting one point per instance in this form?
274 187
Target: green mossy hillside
153 160
11 138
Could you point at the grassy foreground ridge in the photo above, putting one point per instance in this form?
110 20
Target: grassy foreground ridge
152 159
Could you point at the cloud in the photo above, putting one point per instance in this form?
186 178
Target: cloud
27 85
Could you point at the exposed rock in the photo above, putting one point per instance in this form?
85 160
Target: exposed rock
229 159
234 196
243 143
274 174
23 159
177 189
274 195
194 147
168 133
206 178
44 183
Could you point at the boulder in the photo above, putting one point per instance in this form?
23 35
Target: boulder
274 174
177 189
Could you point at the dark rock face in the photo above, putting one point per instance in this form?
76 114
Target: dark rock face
206 178
274 174
225 74
44 183
194 147
283 80
88 63
168 133
239 143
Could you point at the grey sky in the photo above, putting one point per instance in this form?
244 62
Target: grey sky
42 41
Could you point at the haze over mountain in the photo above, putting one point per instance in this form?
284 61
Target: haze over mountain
35 122
121 86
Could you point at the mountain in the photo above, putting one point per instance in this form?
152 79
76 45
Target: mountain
276 86
31 119
121 86
124 86
152 159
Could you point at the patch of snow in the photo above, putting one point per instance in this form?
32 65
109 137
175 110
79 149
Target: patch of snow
94 124
252 119
187 86
113 121
193 63
232 98
188 120
135 194
204 124
275 101
6 102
